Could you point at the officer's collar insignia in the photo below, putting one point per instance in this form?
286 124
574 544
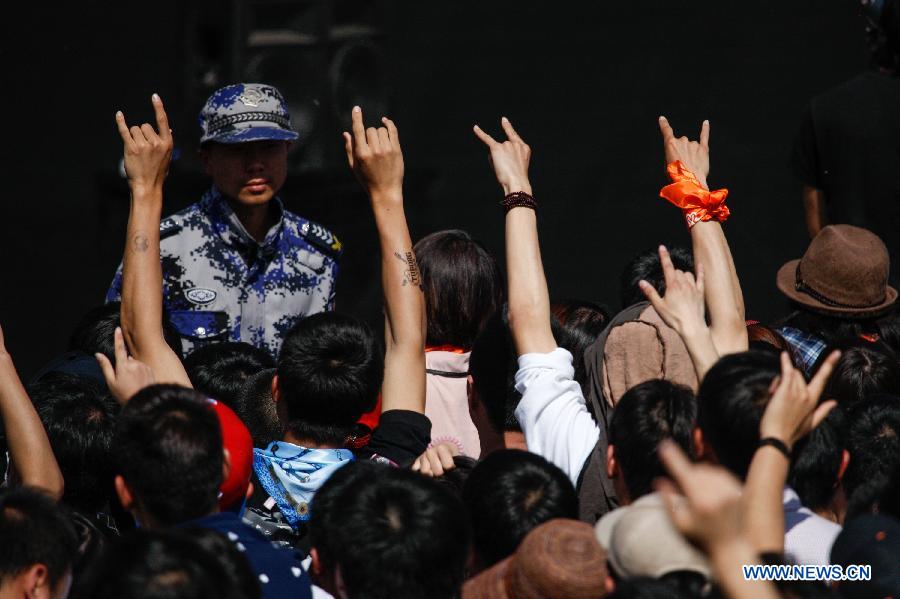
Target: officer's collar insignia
200 295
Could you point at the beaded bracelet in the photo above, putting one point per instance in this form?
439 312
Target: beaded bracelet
518 199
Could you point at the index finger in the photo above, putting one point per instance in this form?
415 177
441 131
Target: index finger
119 343
677 464
509 130
666 262
162 119
817 383
704 135
666 129
487 139
359 129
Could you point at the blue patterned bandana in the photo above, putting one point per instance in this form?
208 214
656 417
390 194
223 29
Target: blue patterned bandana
291 474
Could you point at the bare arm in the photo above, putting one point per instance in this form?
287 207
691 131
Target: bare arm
147 156
377 160
724 298
529 300
709 513
29 447
791 414
814 210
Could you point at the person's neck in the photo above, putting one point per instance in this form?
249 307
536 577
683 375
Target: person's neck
257 220
308 443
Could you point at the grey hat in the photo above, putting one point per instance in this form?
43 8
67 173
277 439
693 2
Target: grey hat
246 112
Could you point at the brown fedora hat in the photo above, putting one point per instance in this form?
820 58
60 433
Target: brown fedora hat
844 271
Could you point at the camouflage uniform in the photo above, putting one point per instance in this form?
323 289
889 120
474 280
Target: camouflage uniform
219 283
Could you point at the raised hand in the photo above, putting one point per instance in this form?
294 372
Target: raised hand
128 376
708 508
148 151
509 159
683 307
436 461
794 409
375 156
693 154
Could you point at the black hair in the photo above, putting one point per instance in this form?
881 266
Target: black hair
220 369
164 565
235 564
256 408
168 448
95 332
456 479
508 494
79 417
817 462
393 533
730 403
873 440
463 286
647 414
329 374
647 267
582 322
889 501
864 369
493 364
883 36
34 530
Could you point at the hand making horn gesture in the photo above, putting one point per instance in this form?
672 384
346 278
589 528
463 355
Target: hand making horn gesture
509 159
148 151
694 155
375 156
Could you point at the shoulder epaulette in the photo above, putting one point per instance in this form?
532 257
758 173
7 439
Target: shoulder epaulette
168 227
322 238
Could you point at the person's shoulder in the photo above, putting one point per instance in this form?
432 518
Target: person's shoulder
854 90
174 224
313 234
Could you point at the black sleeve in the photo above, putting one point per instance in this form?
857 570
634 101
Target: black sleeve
401 436
805 155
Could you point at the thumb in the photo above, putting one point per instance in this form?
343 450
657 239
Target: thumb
109 373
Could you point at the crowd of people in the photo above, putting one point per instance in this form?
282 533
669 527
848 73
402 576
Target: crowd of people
217 429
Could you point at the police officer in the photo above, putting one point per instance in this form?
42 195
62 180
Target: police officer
236 265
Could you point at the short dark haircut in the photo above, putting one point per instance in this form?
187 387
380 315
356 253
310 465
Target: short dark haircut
95 332
79 417
493 364
236 565
647 414
34 531
646 266
817 462
152 564
329 374
220 369
873 440
255 406
508 494
463 286
582 322
392 532
730 403
168 448
864 369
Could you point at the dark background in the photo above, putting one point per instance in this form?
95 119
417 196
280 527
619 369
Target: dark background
583 83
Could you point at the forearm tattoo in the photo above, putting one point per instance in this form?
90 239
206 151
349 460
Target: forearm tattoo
140 242
411 272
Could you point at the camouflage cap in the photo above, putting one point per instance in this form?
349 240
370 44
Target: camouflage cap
245 112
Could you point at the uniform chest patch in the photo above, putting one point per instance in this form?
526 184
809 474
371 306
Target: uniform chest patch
200 295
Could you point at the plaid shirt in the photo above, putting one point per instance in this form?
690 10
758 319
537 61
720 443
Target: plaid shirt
806 348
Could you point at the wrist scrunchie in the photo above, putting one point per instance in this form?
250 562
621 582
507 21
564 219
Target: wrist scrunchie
697 204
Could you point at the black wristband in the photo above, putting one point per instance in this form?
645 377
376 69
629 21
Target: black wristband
777 444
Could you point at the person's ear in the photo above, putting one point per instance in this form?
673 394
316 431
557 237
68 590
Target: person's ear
276 392
250 489
701 451
845 461
612 467
315 565
226 463
36 581
609 584
126 498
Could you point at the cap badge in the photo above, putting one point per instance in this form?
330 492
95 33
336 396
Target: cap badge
251 97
